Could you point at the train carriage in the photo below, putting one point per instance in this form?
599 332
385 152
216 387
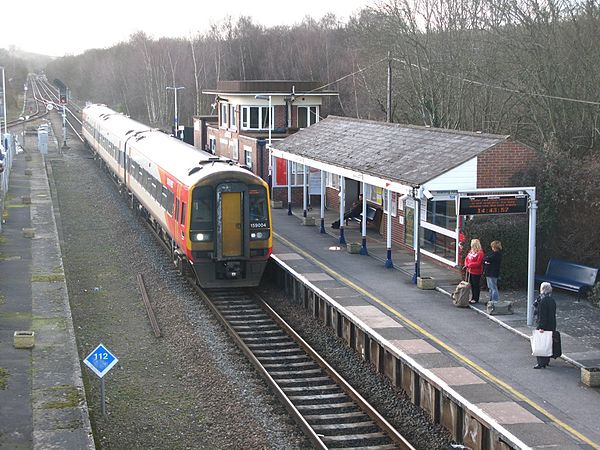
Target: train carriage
213 214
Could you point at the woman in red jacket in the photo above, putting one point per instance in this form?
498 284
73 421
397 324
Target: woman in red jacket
474 265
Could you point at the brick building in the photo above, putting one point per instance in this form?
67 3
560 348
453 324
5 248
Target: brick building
414 164
246 111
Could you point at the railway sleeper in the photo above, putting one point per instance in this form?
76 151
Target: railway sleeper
259 346
297 381
290 366
357 439
290 350
344 426
322 388
318 398
299 373
298 356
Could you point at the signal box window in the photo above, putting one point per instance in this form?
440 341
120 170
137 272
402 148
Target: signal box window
307 116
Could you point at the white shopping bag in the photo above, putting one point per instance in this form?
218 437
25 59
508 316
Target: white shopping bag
541 343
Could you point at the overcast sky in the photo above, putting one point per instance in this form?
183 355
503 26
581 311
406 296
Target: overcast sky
62 27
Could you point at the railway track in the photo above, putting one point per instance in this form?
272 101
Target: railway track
327 408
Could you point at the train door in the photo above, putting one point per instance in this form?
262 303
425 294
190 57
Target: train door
231 210
232 213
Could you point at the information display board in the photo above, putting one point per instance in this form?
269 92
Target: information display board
493 204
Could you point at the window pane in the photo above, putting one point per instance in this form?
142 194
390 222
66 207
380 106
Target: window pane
202 209
302 123
258 203
312 119
254 118
265 118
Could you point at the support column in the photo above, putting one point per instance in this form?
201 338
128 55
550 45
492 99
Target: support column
289 180
323 174
531 258
363 223
388 262
342 209
417 233
305 192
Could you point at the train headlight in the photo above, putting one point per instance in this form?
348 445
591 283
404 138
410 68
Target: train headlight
259 235
201 237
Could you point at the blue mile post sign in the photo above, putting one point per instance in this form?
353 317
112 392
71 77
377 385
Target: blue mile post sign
101 360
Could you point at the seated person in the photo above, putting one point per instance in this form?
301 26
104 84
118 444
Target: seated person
355 211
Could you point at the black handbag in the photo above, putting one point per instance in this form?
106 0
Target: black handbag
556 345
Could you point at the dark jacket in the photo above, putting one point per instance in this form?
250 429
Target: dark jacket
546 313
491 264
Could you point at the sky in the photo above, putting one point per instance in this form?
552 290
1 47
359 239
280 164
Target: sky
69 27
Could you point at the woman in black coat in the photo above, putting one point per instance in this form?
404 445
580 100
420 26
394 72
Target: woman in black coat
545 309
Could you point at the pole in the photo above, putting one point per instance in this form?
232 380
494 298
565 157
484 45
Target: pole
270 151
64 117
363 223
388 262
176 119
323 174
175 113
102 396
342 208
4 102
531 259
417 238
389 89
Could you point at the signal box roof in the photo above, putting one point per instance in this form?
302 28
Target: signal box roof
405 154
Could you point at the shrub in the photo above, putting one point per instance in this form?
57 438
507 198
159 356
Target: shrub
512 231
594 295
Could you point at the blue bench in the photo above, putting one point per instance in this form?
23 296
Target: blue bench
569 276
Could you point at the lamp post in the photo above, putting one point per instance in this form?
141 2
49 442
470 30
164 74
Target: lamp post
268 97
4 102
175 119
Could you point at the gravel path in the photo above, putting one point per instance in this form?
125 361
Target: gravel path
191 389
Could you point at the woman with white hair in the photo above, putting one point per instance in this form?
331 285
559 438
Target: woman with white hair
545 310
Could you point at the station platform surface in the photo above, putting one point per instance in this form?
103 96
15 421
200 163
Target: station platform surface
42 400
487 359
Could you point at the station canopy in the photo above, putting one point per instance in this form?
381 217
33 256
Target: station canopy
403 154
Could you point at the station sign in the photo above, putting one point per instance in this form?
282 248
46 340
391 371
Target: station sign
100 360
493 204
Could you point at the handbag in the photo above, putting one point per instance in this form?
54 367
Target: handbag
541 343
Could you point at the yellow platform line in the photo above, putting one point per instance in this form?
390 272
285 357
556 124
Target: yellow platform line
551 417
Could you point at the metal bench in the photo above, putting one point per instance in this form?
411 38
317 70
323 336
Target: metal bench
371 215
569 276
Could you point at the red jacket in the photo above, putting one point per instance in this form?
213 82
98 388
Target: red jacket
474 262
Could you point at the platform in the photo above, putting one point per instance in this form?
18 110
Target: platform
488 359
42 400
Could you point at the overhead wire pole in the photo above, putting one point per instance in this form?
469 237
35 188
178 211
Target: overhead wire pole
388 262
175 118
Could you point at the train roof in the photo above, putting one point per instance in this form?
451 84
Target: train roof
183 161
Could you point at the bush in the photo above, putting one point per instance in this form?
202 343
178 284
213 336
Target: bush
594 295
512 231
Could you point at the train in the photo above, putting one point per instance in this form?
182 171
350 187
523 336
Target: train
213 214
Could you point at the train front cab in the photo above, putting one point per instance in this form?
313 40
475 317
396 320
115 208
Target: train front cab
230 233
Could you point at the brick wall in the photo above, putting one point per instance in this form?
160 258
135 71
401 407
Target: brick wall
280 116
497 166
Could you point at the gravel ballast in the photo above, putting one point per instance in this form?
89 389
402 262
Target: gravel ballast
192 388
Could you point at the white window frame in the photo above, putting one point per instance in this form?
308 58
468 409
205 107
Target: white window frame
333 180
224 113
248 156
307 113
245 117
232 122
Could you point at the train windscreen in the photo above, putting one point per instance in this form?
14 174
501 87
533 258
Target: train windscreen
202 212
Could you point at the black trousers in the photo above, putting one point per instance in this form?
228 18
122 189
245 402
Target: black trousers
475 281
543 360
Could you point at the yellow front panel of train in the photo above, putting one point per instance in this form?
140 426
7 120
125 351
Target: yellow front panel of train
231 204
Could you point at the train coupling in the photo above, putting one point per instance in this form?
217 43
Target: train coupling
233 270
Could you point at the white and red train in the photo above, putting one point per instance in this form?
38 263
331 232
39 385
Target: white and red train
213 214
